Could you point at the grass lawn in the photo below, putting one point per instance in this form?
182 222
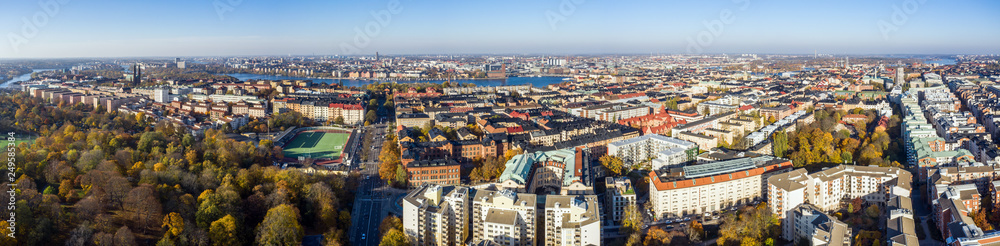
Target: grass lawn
317 145
21 138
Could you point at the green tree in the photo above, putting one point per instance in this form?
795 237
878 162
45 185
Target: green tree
780 144
370 116
401 176
280 227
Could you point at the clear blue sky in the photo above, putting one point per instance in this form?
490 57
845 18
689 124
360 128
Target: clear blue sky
254 27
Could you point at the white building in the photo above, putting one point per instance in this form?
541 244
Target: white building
809 223
436 215
662 150
162 95
826 189
712 186
572 220
504 217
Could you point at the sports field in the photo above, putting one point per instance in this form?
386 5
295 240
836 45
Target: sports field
316 144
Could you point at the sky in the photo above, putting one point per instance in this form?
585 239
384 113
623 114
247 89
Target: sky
182 28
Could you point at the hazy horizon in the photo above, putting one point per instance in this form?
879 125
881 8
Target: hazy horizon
189 28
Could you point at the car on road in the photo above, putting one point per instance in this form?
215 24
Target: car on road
670 227
362 236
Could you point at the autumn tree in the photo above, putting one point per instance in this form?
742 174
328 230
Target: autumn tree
613 164
394 237
174 225
224 232
753 224
280 227
389 158
695 231
631 219
656 237
979 217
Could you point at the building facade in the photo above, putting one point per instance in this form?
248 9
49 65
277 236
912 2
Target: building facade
436 215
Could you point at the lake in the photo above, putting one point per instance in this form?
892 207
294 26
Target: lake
540 82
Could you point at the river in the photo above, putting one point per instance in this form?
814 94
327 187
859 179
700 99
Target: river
943 62
23 77
539 82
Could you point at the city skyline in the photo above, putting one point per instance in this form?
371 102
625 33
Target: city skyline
62 29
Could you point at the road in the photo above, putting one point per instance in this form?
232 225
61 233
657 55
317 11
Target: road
371 195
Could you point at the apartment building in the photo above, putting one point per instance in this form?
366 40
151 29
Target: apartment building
943 177
572 220
564 171
436 215
322 109
825 189
619 194
504 217
661 150
440 171
807 222
712 186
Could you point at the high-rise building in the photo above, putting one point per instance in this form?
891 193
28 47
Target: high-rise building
181 64
504 217
900 76
136 74
162 95
572 220
436 215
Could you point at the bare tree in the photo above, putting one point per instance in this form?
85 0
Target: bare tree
124 237
143 207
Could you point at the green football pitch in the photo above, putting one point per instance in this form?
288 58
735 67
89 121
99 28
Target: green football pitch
317 145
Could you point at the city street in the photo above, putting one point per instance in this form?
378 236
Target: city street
371 196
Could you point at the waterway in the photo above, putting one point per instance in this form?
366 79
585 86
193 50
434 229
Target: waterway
23 77
942 62
540 82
